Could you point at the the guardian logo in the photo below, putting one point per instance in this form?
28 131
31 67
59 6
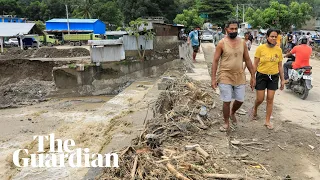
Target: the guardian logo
60 153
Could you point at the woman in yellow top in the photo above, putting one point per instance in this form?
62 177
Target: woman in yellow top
268 67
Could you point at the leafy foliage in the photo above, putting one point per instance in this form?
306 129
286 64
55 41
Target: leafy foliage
219 11
280 16
136 28
118 12
189 18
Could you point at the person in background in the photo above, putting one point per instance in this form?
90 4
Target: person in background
247 40
298 36
217 37
294 39
250 37
229 55
279 38
284 42
309 38
268 68
194 39
289 41
259 38
302 57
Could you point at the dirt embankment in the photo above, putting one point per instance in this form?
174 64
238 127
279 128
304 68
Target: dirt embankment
17 53
23 82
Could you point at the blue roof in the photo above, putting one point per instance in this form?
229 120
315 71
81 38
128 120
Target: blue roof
74 20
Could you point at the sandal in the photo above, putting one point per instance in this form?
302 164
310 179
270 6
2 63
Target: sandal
270 127
223 129
234 125
251 116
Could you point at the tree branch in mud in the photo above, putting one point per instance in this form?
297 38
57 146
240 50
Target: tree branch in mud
177 174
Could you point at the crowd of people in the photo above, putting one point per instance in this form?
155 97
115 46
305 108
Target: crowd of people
268 73
286 41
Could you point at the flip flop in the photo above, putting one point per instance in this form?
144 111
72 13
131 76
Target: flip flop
223 129
251 116
270 127
234 125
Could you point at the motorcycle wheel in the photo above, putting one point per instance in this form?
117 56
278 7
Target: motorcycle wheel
305 93
288 86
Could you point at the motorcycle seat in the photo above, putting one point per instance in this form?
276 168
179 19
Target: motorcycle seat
306 67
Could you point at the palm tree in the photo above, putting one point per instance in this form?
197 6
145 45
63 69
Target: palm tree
84 10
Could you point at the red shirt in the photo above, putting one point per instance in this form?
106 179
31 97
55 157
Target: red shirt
303 53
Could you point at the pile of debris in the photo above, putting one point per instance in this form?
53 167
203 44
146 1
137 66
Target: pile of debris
61 53
25 92
45 52
17 53
180 142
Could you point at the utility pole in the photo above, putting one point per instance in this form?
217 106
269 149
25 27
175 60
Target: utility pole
243 13
67 19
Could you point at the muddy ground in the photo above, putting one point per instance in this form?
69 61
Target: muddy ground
93 122
250 151
25 82
43 52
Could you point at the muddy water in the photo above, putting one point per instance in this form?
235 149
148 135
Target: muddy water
19 125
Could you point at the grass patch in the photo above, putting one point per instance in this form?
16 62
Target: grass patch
72 66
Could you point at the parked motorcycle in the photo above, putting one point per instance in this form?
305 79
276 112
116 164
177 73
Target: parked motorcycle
300 80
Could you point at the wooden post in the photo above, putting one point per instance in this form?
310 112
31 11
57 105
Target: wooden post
21 43
2 43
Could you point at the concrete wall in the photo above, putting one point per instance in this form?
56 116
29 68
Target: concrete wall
109 78
107 53
161 43
129 43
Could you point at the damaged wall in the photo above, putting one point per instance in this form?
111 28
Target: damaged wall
109 78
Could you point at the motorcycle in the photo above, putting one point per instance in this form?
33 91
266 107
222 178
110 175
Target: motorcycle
300 80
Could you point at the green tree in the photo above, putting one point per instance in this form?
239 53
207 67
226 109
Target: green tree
189 18
53 9
280 16
109 12
136 28
41 25
10 7
134 9
219 11
84 9
33 11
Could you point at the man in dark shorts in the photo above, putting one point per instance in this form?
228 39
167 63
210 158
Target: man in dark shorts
195 43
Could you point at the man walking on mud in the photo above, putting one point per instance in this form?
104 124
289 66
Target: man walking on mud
230 53
195 42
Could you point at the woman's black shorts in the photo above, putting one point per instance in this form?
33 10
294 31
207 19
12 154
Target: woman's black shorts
264 81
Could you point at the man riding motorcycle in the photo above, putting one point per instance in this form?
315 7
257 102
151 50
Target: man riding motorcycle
302 57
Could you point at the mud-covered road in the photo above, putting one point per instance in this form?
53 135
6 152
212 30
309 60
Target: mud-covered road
302 112
293 146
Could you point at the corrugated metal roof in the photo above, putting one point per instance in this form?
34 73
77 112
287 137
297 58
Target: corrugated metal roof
73 20
13 29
